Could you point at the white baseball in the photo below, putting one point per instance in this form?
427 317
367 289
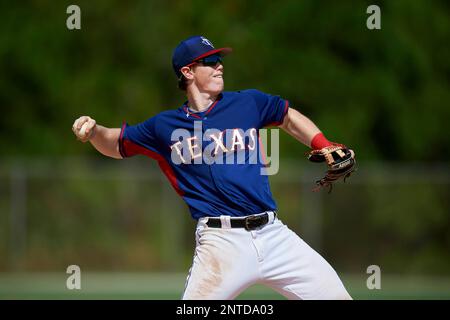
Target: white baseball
82 132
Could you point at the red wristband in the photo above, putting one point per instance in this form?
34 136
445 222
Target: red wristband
319 141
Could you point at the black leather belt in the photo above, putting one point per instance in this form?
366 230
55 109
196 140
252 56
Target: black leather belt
248 223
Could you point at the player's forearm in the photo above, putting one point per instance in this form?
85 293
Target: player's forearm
299 126
106 141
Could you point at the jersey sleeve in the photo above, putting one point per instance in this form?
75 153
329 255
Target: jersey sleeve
139 139
271 109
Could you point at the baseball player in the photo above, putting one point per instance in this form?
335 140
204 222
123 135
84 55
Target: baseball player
240 240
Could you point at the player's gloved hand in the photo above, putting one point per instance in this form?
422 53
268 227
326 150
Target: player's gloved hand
84 128
340 161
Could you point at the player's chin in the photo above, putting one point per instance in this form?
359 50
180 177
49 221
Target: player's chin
217 85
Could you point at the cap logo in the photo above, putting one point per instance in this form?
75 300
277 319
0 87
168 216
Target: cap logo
207 42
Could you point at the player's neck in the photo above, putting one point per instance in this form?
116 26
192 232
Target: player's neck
200 101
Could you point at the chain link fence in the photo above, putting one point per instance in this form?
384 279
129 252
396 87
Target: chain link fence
122 215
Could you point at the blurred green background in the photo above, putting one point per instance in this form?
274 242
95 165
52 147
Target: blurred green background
383 92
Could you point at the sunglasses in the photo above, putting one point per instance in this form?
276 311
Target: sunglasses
210 61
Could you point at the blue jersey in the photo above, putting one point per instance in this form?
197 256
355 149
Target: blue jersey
230 125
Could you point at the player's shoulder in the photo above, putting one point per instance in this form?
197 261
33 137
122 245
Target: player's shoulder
258 96
160 117
167 113
248 92
254 93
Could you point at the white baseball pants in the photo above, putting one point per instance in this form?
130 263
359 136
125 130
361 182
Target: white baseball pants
229 260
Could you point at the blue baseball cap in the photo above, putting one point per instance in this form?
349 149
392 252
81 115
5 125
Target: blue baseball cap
192 49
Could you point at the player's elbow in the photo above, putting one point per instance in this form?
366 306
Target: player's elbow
117 154
110 153
112 150
114 138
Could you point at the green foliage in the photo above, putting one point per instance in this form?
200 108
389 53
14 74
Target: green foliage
384 92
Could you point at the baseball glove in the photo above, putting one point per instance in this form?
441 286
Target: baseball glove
340 161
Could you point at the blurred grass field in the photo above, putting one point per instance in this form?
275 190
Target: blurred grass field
162 286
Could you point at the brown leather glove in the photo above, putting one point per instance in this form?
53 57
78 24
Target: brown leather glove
340 161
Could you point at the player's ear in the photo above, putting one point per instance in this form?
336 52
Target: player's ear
187 72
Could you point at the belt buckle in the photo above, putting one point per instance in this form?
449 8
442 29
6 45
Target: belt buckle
250 219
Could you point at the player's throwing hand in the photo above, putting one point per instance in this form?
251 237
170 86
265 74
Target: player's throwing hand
84 128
